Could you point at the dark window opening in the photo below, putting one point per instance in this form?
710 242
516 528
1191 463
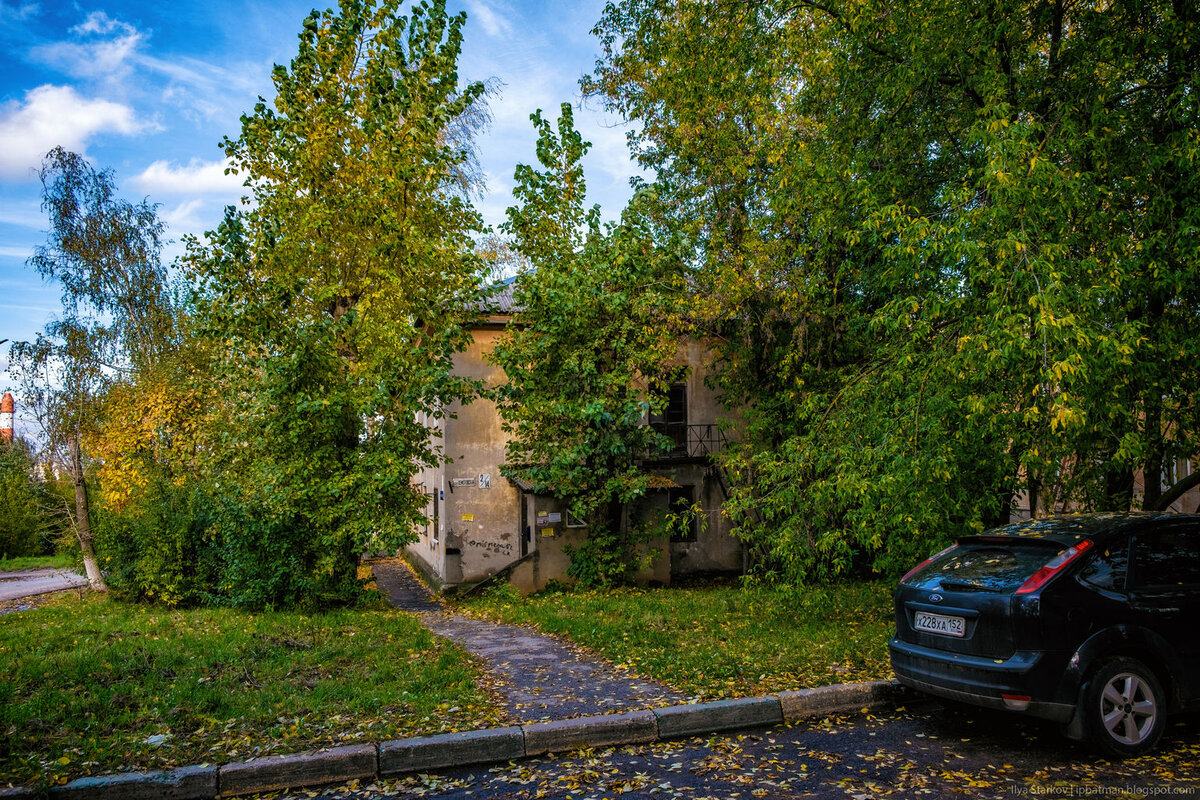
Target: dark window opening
681 514
673 421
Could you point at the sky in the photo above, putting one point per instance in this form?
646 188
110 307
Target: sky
148 90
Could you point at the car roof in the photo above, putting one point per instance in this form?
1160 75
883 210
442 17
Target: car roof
1067 529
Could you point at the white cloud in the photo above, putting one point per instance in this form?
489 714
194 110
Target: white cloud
610 147
183 217
197 177
97 52
22 214
493 24
53 116
99 22
7 251
18 13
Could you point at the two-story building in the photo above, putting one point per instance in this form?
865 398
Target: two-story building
482 523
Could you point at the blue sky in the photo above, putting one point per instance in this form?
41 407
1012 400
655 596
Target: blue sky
149 89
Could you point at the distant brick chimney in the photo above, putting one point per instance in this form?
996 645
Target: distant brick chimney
6 418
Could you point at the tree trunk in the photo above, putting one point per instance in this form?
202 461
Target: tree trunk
83 523
1152 467
1175 492
1118 489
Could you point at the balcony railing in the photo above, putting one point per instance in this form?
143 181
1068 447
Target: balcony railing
691 441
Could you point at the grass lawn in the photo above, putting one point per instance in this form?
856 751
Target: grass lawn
90 686
720 642
24 563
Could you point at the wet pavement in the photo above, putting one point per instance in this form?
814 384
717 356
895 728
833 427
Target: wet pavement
924 751
536 677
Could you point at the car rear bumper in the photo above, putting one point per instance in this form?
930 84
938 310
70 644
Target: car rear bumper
981 681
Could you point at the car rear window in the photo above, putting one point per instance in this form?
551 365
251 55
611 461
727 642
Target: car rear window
984 567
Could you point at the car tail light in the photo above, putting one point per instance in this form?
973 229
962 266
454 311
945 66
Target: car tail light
926 563
1054 566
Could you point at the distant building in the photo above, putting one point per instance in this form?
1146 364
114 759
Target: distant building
481 523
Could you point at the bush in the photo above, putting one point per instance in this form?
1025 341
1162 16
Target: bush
610 556
189 547
267 560
155 547
24 522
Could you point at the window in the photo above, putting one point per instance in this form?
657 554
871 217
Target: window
682 518
676 410
574 521
1167 556
1175 470
985 567
1109 568
673 421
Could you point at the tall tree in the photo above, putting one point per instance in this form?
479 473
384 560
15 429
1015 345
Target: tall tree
591 352
946 250
117 316
336 299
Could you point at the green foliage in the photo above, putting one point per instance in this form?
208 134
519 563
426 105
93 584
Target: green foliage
336 301
25 563
591 351
609 556
156 549
947 254
23 518
118 320
722 642
93 686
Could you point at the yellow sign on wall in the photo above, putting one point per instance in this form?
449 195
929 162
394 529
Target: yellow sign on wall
468 517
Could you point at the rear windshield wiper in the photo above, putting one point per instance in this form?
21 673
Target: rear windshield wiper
967 586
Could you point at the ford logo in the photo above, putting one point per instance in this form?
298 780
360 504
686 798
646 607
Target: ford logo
935 598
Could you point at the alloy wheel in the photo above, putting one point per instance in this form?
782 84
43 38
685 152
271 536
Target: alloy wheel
1128 708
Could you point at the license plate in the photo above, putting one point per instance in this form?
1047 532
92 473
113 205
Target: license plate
938 623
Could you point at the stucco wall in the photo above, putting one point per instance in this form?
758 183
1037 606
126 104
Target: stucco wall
482 507
552 538
481 522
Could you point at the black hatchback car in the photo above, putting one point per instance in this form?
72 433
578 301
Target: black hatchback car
1089 620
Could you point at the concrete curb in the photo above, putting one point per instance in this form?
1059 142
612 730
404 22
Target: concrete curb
720 715
494 745
337 765
451 750
634 727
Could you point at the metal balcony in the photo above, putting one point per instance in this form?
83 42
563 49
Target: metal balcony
690 441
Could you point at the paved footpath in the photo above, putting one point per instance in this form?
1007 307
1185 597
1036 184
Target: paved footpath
15 585
538 677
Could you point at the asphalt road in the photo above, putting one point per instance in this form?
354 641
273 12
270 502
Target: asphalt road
14 585
923 752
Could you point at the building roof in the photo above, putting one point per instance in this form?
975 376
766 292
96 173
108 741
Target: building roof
498 298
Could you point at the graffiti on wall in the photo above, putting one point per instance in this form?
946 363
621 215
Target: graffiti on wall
486 546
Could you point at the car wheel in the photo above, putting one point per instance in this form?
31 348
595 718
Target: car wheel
1124 708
